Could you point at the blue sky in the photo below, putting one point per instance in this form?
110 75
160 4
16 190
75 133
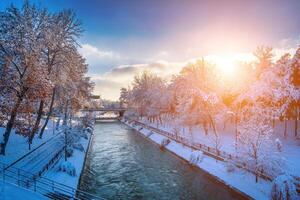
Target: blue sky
138 34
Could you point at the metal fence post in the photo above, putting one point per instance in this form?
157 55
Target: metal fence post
34 184
18 177
3 174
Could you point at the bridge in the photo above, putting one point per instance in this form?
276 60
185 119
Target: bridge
120 111
105 109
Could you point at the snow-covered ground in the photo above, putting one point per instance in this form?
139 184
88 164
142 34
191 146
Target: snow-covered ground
36 160
17 145
237 178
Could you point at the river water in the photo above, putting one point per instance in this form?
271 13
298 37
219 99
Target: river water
121 164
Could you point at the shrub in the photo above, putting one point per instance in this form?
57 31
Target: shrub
68 167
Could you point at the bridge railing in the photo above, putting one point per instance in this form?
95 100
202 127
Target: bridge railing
104 109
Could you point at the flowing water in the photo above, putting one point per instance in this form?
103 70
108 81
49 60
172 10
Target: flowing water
121 164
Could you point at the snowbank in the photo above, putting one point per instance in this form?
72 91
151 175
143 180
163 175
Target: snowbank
240 180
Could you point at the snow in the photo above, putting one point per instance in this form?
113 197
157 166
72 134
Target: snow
240 179
284 189
18 145
11 192
37 159
76 160
290 147
196 157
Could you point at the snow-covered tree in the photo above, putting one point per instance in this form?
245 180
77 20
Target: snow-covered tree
256 148
197 101
38 58
21 39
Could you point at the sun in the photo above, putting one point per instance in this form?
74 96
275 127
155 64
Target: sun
226 65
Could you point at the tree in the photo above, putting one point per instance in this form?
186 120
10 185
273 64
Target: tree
63 30
141 91
124 95
264 56
21 39
295 80
256 147
197 100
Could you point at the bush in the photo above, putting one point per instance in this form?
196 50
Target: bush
89 129
69 151
283 188
196 157
164 142
78 146
230 167
68 167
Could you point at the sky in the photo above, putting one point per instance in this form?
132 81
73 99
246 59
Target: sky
124 37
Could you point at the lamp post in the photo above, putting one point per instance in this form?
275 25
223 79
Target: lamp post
65 128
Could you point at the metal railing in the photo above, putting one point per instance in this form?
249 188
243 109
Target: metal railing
41 185
35 149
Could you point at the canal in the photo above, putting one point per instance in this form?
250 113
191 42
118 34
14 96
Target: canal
121 164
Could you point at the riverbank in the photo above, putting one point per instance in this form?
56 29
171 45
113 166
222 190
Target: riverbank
77 160
240 180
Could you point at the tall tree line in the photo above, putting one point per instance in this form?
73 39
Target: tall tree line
264 91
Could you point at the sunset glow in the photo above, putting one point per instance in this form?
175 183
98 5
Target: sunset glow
228 64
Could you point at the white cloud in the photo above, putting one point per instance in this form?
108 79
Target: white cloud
89 51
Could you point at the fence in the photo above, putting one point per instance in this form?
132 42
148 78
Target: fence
211 151
41 185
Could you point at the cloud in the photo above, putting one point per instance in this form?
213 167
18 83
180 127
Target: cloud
108 85
89 51
100 60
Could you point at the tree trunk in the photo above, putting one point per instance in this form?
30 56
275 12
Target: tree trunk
49 114
205 128
296 121
217 142
65 128
10 124
37 123
236 130
296 126
57 123
285 128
